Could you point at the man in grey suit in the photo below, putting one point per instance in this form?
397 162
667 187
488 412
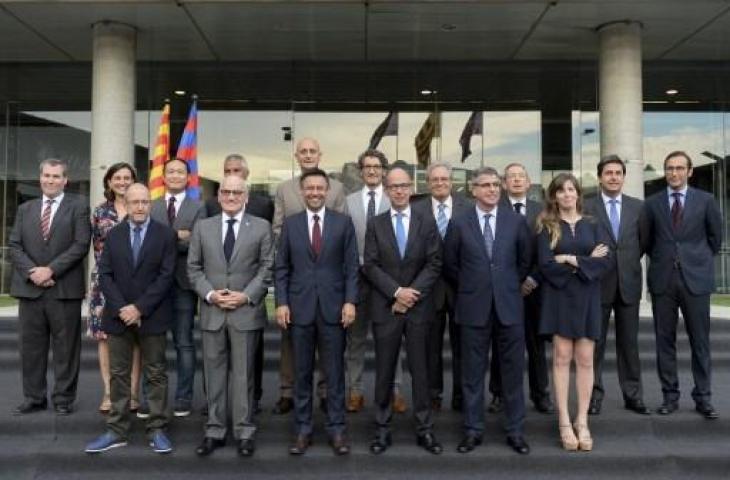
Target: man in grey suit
180 212
684 235
287 202
619 215
48 245
229 265
443 205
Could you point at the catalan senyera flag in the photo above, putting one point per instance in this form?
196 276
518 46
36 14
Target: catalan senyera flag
187 151
161 154
431 128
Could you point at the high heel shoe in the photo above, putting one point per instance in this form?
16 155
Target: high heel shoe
585 442
106 404
567 438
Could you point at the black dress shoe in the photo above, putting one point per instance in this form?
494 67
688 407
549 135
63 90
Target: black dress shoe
594 408
543 405
667 408
429 443
29 407
283 406
323 405
209 445
519 445
496 405
63 409
340 445
707 411
468 443
380 443
637 406
246 447
457 404
300 445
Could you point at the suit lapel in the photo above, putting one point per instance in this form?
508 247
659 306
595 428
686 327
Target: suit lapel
477 231
664 207
301 227
243 229
127 247
500 226
414 230
384 203
603 216
148 236
686 208
387 224
61 213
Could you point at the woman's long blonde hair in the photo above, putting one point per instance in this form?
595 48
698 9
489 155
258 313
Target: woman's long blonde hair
550 217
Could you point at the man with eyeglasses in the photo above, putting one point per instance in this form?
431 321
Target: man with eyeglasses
443 205
402 274
288 201
230 266
363 205
684 233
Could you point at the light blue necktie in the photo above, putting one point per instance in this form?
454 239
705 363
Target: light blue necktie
136 244
441 220
613 217
488 235
400 234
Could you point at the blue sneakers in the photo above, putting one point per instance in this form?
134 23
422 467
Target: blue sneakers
160 443
105 442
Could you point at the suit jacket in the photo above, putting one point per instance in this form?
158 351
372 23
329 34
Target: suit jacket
249 270
358 213
288 201
419 268
146 285
303 282
258 205
443 293
481 283
694 245
625 272
64 252
190 211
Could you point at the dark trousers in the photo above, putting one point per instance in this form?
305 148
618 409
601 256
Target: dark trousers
388 336
696 312
475 344
154 364
184 302
43 322
626 319
537 367
435 353
329 340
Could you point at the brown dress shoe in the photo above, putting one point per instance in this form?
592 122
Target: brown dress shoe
355 403
340 445
283 406
300 445
399 403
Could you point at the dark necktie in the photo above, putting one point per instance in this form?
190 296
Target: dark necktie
46 220
371 205
488 235
230 240
316 236
171 210
136 244
677 211
518 207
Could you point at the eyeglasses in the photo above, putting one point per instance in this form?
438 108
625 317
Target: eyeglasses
487 185
680 168
520 175
371 167
399 186
235 193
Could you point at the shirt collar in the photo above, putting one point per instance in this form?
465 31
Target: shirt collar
320 212
144 226
179 197
683 191
56 199
448 202
406 213
378 190
514 200
607 199
481 213
237 216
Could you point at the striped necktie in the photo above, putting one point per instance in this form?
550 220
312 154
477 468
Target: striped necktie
46 219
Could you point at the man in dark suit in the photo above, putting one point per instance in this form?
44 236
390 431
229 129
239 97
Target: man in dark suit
229 265
443 205
684 234
261 206
136 273
516 185
619 215
48 244
316 273
402 262
487 255
180 212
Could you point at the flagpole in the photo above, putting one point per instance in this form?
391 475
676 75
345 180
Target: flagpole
482 138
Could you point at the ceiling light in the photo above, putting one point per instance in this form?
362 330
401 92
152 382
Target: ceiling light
426 91
179 93
672 91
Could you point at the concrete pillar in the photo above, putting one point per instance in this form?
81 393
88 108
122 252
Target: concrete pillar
113 101
620 96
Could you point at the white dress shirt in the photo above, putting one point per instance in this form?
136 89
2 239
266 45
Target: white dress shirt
54 206
682 197
448 203
179 198
406 219
492 220
310 222
366 198
224 224
607 204
523 201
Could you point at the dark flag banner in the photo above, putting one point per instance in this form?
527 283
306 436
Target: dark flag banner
387 128
474 126
428 131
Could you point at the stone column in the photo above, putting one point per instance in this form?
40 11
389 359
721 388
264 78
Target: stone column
620 97
113 101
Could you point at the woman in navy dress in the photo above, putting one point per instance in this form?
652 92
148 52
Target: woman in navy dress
573 254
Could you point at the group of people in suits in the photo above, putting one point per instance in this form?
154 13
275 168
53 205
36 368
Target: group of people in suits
504 273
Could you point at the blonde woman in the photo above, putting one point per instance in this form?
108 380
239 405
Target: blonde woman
573 254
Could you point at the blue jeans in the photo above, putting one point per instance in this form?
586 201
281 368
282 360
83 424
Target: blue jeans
184 302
